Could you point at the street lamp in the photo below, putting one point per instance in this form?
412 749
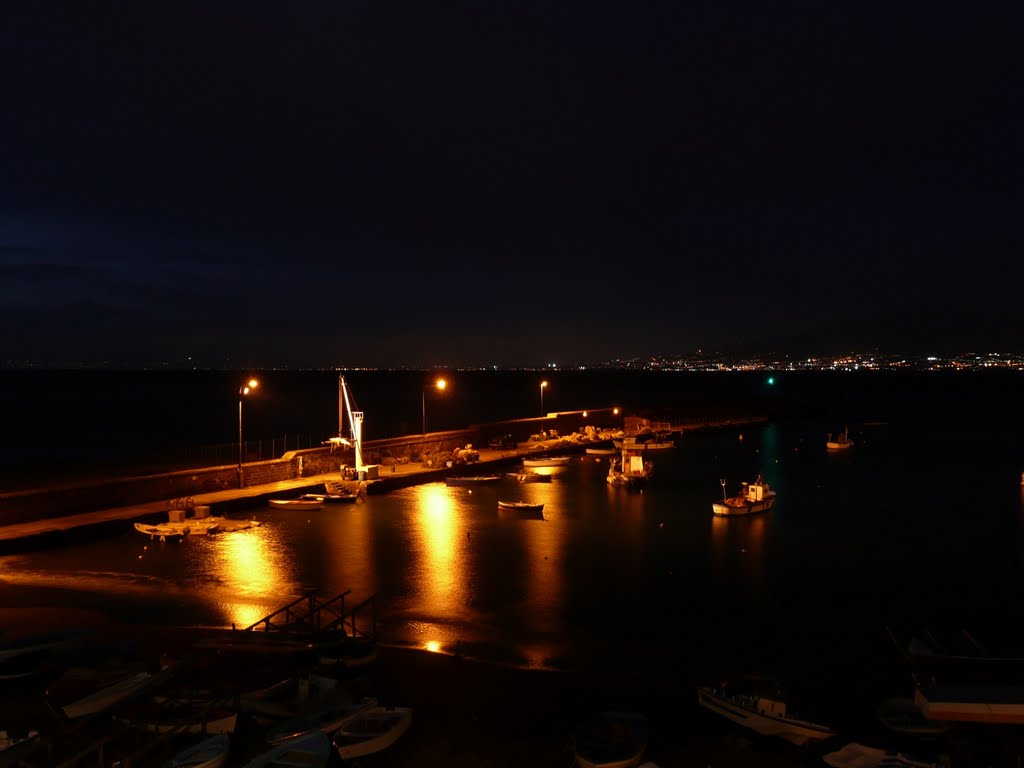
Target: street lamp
543 384
244 390
440 385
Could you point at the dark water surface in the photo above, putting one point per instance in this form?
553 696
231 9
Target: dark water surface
920 525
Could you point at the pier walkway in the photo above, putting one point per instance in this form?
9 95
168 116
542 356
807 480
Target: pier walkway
53 531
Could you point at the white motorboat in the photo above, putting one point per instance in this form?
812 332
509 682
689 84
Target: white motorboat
763 714
211 752
753 497
373 730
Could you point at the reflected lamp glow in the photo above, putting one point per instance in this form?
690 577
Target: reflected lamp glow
543 386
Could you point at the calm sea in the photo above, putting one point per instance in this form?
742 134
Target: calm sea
920 525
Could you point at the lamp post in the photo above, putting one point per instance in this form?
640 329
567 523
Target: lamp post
543 384
440 385
244 390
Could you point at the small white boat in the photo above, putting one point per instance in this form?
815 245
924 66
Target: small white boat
551 461
520 506
376 729
311 750
208 753
472 480
613 740
841 441
763 714
328 719
109 696
753 497
300 503
163 531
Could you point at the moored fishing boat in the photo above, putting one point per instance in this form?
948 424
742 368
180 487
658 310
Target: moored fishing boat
631 469
766 715
753 497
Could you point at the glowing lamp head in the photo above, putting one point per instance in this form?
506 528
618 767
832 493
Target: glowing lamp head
441 385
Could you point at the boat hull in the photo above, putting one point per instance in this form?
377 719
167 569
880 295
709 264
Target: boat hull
559 461
372 732
749 508
295 504
739 710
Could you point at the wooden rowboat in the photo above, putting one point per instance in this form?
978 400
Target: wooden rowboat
372 731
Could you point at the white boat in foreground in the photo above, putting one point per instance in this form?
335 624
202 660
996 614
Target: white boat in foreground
376 729
328 719
311 750
109 696
612 740
208 753
753 497
764 715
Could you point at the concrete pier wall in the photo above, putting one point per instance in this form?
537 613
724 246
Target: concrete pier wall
428 450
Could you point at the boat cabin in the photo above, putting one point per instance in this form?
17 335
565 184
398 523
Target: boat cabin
771 707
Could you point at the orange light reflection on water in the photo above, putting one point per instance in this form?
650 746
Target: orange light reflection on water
437 537
253 571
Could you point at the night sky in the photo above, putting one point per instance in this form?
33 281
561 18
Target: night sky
507 183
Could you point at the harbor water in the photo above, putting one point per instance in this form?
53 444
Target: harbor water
919 526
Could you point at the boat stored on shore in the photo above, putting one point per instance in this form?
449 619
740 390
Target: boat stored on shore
765 715
753 497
